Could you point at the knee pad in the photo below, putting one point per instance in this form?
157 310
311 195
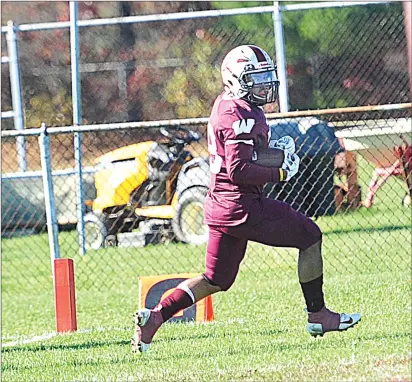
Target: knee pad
310 263
223 283
314 235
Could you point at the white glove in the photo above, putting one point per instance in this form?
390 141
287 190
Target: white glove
285 143
291 165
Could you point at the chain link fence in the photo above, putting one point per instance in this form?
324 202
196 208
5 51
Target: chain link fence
352 180
358 196
336 57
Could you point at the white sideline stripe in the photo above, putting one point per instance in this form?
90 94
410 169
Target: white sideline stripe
28 340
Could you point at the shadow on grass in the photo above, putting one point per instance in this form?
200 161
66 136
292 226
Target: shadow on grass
88 345
270 332
311 343
367 229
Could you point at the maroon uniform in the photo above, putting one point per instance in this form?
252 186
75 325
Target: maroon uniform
235 208
235 129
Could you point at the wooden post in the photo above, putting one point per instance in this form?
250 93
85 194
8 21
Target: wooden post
354 193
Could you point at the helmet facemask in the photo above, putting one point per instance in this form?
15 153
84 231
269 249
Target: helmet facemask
261 86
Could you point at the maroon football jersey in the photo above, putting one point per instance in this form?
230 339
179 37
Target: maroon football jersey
236 128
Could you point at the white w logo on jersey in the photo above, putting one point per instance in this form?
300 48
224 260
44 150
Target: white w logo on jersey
243 126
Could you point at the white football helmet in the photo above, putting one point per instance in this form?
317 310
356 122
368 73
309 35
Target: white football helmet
249 72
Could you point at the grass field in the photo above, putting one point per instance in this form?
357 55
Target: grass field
259 329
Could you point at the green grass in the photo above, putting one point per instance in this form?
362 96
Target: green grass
259 329
258 334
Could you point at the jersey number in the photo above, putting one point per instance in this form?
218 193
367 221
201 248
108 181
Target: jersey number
243 126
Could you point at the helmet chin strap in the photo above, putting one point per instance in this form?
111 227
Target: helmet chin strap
249 97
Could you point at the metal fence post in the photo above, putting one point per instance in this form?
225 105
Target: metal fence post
50 203
62 269
16 96
280 58
76 100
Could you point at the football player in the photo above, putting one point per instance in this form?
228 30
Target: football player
236 210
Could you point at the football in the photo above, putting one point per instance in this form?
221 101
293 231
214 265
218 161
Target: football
269 157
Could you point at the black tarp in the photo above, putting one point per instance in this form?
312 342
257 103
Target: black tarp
311 190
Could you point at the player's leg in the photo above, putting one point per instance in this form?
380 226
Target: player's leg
320 318
223 257
277 224
148 321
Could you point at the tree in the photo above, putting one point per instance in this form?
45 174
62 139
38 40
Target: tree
345 52
139 51
191 89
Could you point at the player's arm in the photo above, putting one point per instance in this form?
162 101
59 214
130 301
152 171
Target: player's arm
283 158
240 167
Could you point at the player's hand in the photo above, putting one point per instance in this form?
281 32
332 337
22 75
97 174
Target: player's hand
291 165
285 143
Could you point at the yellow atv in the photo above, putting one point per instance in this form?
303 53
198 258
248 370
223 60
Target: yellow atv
149 192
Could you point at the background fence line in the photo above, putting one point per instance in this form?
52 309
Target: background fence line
13 58
200 121
359 197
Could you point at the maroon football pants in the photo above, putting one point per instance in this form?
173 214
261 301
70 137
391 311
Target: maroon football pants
270 222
